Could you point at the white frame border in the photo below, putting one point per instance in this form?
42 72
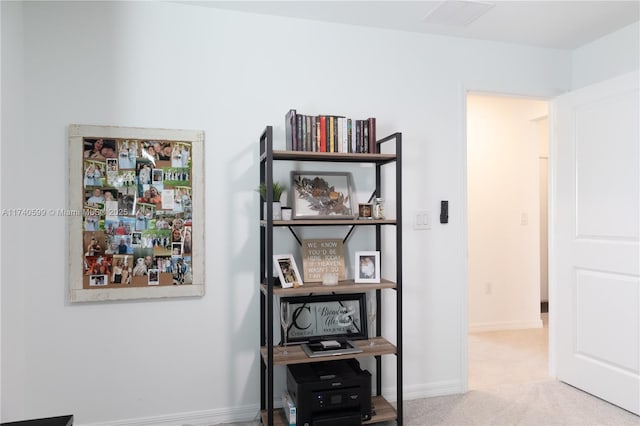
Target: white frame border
356 267
291 259
76 252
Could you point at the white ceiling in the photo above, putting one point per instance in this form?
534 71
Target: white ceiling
554 24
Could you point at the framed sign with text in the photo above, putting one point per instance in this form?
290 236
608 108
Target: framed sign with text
327 316
322 256
139 194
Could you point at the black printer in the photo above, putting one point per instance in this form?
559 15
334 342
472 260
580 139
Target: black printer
330 393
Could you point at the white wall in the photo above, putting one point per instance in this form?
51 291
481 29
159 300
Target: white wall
612 55
503 207
12 129
157 64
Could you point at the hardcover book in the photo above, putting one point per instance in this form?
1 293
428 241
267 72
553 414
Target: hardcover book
350 135
331 138
290 130
300 132
307 133
373 146
323 133
365 136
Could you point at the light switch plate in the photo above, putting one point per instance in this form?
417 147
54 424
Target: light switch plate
422 220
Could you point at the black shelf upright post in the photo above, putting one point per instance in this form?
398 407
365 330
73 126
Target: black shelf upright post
399 382
266 272
378 193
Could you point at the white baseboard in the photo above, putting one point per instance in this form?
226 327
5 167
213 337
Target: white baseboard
429 390
196 418
250 412
504 325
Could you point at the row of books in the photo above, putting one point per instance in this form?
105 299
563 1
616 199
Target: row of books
329 133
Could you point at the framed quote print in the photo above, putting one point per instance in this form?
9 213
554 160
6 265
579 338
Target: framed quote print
140 197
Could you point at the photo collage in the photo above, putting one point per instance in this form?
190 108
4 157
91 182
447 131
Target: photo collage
137 214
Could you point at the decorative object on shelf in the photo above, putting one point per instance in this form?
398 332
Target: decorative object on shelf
286 213
367 267
365 211
321 257
371 315
378 208
328 316
285 319
287 270
277 190
136 200
329 278
322 195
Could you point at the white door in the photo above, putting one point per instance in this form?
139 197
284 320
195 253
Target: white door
595 225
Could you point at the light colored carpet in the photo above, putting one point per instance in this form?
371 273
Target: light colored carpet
508 357
546 403
510 385
536 404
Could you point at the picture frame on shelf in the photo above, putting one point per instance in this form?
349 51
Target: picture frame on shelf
365 211
322 195
287 269
323 256
128 188
367 267
329 316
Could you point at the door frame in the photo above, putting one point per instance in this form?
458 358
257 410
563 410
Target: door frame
464 90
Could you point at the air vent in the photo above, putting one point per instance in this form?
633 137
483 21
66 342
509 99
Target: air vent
457 13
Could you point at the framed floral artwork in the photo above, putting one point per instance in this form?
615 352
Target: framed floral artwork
322 195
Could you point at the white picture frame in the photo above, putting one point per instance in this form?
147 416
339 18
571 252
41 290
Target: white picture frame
367 267
188 145
288 271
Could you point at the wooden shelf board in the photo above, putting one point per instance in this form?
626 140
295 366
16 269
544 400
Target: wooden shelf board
330 222
296 355
384 412
332 156
346 286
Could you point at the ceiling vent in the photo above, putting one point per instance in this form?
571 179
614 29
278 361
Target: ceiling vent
457 13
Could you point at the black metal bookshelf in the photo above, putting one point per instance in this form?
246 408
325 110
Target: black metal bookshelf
268 289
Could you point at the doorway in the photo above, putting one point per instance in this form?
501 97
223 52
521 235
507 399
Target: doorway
507 247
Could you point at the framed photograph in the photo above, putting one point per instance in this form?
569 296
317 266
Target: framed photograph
328 316
322 195
367 267
287 270
127 238
365 211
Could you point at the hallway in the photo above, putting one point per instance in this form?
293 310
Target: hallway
509 357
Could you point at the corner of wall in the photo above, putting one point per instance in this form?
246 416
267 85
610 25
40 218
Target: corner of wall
615 54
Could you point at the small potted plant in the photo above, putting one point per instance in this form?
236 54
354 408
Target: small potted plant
277 190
